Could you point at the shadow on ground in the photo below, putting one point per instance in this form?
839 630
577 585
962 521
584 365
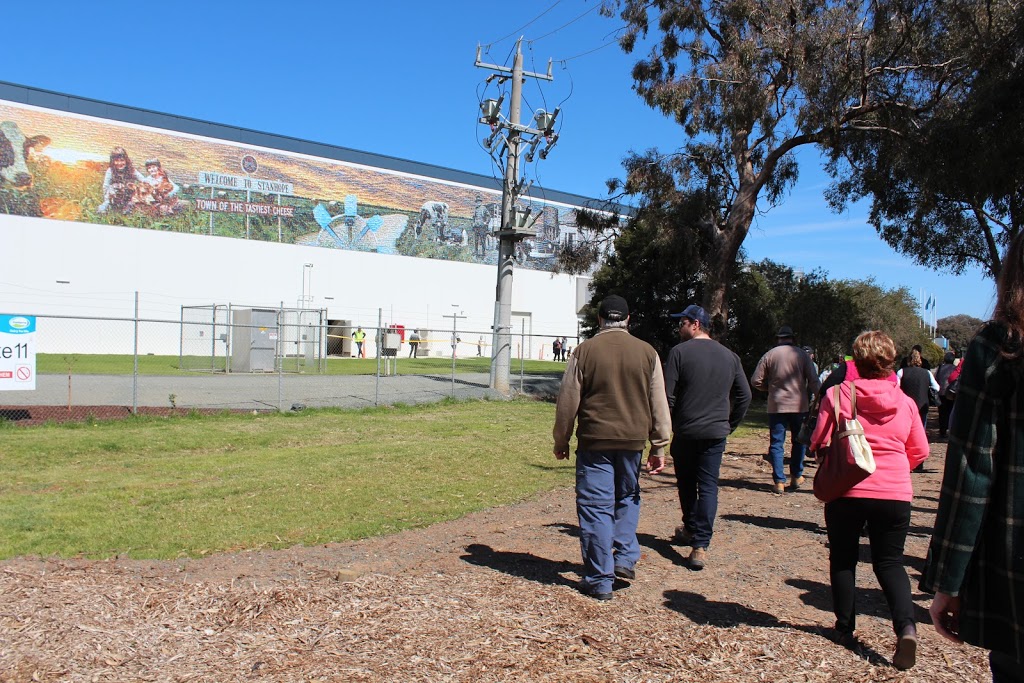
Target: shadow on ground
523 565
700 610
776 523
870 601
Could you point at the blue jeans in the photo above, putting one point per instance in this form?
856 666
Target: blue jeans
778 425
698 463
608 507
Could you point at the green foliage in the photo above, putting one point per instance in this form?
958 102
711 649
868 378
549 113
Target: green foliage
825 314
748 84
945 182
655 266
766 296
959 330
149 488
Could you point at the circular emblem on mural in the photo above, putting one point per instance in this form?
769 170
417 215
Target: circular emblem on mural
249 164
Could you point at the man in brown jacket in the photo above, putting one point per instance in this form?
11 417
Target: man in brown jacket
787 374
613 387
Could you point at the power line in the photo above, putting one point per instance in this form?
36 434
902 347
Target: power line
569 23
584 54
526 24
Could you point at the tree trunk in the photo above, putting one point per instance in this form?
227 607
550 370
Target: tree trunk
726 244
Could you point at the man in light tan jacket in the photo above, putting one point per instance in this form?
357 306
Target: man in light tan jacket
787 374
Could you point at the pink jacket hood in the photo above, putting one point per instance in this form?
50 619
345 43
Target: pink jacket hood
878 400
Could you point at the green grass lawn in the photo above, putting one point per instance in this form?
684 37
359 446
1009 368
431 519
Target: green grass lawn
114 364
164 488
190 486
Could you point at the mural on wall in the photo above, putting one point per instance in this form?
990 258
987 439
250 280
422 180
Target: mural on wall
78 168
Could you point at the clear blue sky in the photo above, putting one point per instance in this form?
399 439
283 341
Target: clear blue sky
397 78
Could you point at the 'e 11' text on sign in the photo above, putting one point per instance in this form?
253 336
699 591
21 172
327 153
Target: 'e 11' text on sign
17 352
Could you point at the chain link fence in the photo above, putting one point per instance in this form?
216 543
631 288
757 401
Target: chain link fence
249 358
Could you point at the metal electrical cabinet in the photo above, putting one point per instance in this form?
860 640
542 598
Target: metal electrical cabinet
254 340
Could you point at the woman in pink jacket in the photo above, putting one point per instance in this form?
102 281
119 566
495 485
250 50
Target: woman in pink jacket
893 429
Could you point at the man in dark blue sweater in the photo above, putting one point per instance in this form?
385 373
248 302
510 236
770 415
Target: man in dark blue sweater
709 395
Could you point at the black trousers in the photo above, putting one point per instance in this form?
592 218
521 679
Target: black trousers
888 522
945 410
698 463
1005 669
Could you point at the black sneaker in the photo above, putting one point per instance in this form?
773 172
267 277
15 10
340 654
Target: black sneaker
625 573
906 650
682 536
848 640
596 596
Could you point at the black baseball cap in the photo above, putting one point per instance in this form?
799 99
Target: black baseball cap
613 308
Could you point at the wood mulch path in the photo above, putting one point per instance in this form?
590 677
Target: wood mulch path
489 597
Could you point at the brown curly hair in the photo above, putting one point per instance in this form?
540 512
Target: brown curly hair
874 354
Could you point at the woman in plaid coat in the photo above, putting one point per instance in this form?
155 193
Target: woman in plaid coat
976 559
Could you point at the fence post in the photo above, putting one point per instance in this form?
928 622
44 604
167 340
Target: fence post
522 354
376 389
278 348
135 360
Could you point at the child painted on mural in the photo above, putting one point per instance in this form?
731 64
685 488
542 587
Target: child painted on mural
119 183
158 193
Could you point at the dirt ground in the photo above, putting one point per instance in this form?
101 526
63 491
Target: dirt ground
489 597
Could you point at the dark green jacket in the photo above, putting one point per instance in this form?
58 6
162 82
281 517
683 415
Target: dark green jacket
977 547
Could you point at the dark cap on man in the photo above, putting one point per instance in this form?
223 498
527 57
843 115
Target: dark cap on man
613 309
785 331
696 313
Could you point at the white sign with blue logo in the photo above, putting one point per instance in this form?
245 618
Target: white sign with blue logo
17 352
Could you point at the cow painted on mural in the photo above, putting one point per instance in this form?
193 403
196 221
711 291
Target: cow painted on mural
14 151
433 215
15 176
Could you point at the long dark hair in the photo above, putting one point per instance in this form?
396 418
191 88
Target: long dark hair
1010 298
126 175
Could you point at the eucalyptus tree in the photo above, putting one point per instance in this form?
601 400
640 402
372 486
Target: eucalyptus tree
946 185
749 82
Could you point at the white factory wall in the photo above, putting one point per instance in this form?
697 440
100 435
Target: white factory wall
61 268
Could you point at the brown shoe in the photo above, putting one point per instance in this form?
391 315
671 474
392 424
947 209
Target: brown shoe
698 556
778 488
682 536
796 483
906 650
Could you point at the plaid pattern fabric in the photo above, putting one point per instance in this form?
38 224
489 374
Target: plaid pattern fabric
977 547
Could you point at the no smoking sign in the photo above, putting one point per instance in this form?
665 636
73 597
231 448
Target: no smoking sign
23 373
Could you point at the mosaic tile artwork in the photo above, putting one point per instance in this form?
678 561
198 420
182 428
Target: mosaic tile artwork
70 167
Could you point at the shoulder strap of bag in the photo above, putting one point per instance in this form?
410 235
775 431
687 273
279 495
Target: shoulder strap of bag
853 402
